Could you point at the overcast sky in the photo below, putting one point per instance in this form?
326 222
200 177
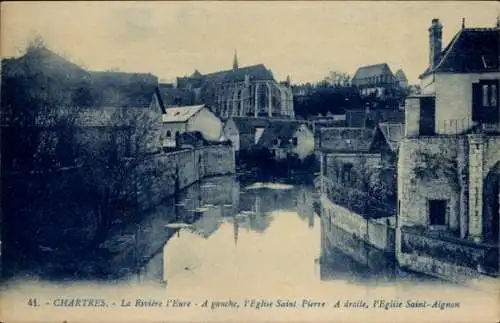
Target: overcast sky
301 39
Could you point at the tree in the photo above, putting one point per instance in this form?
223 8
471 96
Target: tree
117 158
333 94
64 178
336 78
37 139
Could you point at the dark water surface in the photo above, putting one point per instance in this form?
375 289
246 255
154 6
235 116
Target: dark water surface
239 244
232 232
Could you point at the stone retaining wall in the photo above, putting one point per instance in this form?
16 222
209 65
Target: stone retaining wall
376 232
176 170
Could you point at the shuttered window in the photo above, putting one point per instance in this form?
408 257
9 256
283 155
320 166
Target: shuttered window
485 101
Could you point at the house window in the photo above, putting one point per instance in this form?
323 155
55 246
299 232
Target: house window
489 95
437 212
485 107
294 141
275 141
486 99
346 173
169 133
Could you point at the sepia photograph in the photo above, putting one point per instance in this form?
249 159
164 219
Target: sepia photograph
250 161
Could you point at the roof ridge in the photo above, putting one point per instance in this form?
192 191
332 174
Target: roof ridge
481 28
453 43
372 65
231 70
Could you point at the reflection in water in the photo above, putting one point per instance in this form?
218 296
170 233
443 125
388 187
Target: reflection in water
258 238
260 244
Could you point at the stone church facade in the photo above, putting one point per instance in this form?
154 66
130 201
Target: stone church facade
241 91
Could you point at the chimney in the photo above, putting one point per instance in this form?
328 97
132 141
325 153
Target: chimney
435 39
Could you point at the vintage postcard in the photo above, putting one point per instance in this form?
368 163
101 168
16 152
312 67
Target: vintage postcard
250 161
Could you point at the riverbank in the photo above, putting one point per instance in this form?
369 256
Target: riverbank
129 245
172 173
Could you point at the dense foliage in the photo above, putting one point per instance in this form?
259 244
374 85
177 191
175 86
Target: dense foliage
335 94
61 180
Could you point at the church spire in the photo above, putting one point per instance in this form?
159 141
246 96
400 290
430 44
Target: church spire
235 61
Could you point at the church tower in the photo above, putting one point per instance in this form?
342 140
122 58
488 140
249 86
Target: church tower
235 61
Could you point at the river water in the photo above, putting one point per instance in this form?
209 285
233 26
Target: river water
227 239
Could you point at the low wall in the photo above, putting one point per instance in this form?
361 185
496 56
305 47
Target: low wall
176 170
451 259
361 257
376 232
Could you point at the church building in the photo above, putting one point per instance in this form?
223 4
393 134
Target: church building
241 91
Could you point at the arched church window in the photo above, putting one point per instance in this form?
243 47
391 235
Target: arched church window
262 97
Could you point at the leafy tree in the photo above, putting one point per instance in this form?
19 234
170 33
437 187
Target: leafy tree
336 78
334 94
116 159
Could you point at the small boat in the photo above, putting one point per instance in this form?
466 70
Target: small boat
177 225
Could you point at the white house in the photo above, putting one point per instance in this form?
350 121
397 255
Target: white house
459 89
449 160
178 120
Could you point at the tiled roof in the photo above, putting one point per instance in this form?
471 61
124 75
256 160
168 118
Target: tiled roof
181 114
372 71
283 130
346 140
393 133
248 124
256 72
472 50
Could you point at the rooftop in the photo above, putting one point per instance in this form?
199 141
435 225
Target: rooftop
283 130
247 125
372 71
472 50
181 114
346 140
255 72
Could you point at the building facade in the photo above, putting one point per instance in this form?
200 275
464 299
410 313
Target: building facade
244 132
287 138
449 160
375 80
241 91
179 120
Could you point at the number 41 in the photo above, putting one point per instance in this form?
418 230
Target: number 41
32 302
